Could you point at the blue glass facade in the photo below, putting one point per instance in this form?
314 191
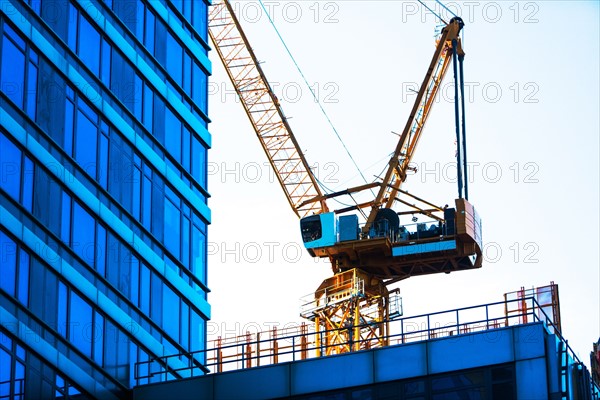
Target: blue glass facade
103 215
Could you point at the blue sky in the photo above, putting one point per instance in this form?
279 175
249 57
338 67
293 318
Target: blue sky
532 73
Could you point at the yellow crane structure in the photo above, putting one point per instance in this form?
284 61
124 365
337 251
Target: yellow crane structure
353 307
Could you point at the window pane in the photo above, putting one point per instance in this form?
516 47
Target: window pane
187 73
36 287
146 202
196 332
122 79
72 29
185 243
106 51
23 284
133 352
50 299
198 244
127 12
148 107
68 136
27 197
139 21
149 34
10 167
111 338
178 5
198 161
31 91
200 87
97 337
126 260
80 322
47 199
84 228
160 41
10 32
417 387
185 154
86 140
112 259
502 374
156 299
89 45
158 209
173 134
101 250
8 264
187 10
19 380
159 119
137 97
172 228
65 221
174 59
465 394
5 372
457 380
13 71
199 19
170 313
134 281
145 293
136 192
62 309
103 162
185 325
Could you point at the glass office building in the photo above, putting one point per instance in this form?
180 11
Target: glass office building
103 214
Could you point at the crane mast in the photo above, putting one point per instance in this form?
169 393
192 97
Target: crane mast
264 111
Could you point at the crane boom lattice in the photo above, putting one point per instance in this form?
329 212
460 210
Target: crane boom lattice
264 111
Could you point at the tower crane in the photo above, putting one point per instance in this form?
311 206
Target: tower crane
353 307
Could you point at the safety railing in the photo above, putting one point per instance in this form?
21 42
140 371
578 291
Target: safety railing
303 342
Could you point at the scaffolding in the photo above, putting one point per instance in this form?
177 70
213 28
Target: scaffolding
353 310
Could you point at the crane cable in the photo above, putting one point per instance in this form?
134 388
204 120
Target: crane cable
433 12
446 8
311 90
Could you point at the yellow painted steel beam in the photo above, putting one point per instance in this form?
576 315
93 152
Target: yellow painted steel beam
264 111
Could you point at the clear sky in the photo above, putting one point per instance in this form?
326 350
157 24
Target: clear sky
532 78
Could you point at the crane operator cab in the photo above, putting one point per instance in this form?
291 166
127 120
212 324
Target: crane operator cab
439 245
